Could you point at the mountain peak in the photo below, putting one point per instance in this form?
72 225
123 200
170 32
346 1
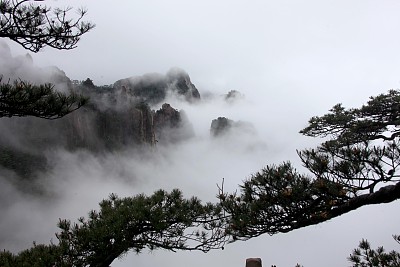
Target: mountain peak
153 88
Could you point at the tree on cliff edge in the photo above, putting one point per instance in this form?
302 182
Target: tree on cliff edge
357 165
35 26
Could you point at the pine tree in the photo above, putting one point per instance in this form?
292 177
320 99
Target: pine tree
357 165
160 221
35 26
25 99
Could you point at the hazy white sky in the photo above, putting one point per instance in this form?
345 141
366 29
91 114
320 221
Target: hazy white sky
292 59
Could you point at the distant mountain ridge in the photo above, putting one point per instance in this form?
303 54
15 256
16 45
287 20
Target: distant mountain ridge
130 114
116 118
121 115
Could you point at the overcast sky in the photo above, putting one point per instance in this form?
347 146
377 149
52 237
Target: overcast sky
291 59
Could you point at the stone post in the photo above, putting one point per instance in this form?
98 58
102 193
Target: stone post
253 262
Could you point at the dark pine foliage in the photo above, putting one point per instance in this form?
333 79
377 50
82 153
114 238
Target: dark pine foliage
35 26
22 99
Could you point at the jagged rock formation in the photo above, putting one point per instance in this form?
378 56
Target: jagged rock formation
110 129
171 125
154 88
88 128
222 126
143 118
166 117
113 129
116 118
180 83
233 96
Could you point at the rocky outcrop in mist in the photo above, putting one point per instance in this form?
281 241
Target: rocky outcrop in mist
233 96
222 126
109 129
171 125
154 88
25 142
117 117
130 114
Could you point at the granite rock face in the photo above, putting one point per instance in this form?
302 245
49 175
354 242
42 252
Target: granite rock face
180 83
117 117
121 115
171 125
220 126
112 129
154 88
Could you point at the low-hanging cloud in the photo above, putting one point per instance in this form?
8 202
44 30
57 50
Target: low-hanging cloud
73 182
14 68
77 180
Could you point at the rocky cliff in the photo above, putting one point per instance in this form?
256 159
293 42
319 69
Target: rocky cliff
117 117
171 125
121 115
220 126
132 112
154 88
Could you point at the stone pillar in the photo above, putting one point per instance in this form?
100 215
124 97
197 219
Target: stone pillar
253 262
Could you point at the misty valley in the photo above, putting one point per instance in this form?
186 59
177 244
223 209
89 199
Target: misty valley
176 133
149 162
130 115
140 134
